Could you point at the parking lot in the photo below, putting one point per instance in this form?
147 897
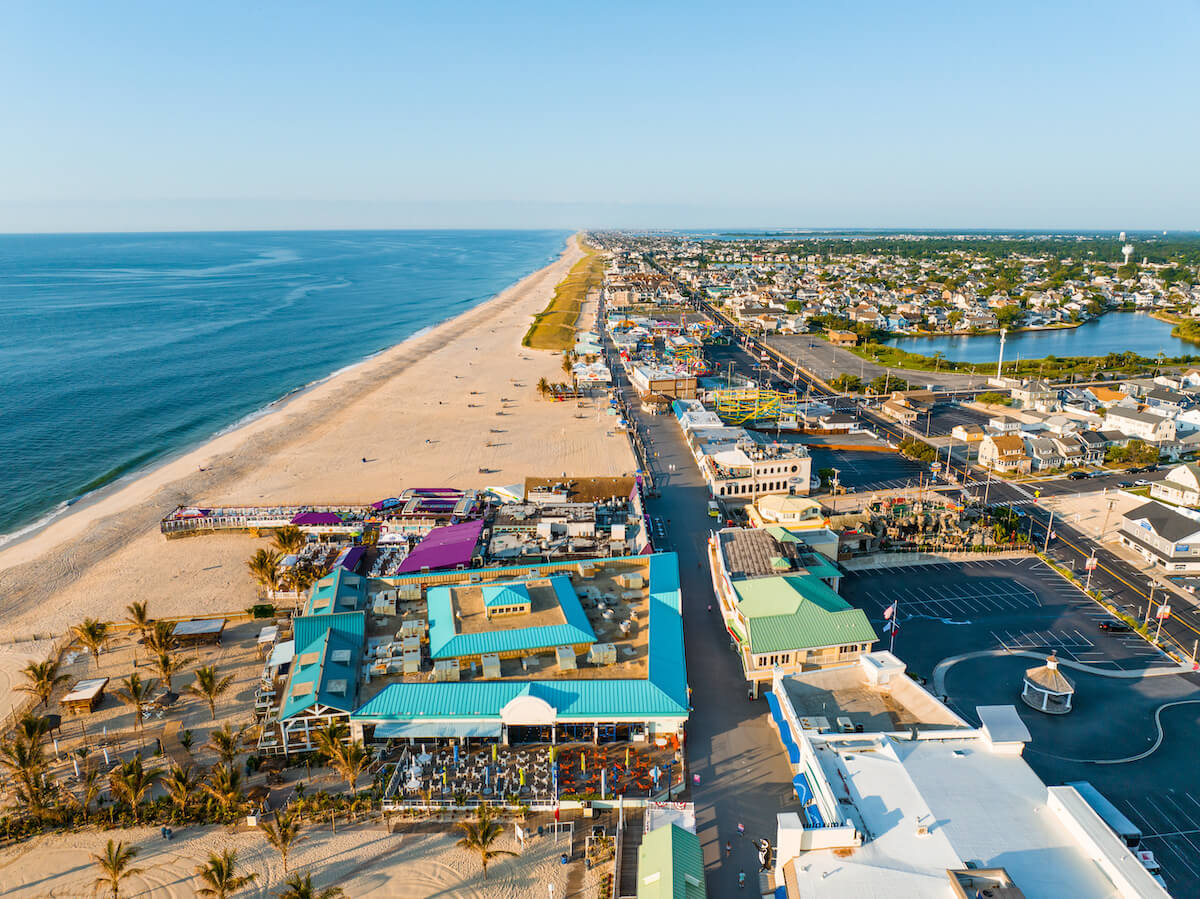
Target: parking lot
1020 604
1015 604
864 470
946 417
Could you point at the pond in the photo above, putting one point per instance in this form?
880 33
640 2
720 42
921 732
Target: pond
1116 332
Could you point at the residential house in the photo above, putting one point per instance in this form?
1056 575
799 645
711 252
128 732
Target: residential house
1070 450
1035 395
1044 453
1142 425
1181 486
1092 446
1004 453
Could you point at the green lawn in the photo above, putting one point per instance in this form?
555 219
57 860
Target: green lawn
554 327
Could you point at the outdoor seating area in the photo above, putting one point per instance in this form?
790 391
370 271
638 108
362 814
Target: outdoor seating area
431 772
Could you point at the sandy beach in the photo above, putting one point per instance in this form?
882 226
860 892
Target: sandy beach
365 861
422 414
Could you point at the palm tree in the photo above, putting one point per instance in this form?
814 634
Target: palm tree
32 727
302 577
328 738
543 387
264 568
160 637
25 761
139 616
220 875
209 686
224 787
297 887
42 678
93 635
181 785
479 835
168 667
289 539
115 866
350 760
282 833
136 692
131 782
91 787
225 742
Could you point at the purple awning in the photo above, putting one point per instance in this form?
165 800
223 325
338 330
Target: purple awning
352 557
317 518
444 547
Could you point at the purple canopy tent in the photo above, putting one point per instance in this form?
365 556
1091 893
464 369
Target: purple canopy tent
317 518
444 547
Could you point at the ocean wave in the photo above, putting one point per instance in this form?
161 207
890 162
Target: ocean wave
35 526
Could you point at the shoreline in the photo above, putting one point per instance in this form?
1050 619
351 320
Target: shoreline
307 449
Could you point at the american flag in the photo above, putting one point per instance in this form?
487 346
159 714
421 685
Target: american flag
889 612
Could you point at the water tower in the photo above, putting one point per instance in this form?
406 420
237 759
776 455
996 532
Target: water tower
1127 251
1122 237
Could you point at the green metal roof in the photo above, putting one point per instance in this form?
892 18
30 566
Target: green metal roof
445 642
662 693
798 612
670 865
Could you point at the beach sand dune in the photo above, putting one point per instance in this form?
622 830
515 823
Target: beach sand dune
422 413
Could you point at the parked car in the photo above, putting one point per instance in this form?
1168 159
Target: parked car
1125 485
1141 482
1115 627
1078 475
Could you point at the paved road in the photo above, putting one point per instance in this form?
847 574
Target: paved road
744 774
827 361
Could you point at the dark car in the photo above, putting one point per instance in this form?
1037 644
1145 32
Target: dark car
1115 627
1125 485
1078 475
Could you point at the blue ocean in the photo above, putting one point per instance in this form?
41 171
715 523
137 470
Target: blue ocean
117 350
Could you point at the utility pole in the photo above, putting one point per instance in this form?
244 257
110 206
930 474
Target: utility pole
1046 546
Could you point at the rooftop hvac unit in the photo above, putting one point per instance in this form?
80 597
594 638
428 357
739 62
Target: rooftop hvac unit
603 654
566 658
491 664
445 670
412 662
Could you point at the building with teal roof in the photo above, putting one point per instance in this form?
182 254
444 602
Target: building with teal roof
519 709
506 599
509 639
780 604
670 865
328 679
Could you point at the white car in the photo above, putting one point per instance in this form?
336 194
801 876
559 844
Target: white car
1141 482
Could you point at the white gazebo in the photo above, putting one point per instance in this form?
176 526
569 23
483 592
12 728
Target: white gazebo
1047 689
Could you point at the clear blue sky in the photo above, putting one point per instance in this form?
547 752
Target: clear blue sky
126 116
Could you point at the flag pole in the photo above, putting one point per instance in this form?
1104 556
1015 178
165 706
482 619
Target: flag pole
892 620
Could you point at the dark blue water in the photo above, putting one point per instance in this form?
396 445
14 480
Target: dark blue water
117 350
1116 332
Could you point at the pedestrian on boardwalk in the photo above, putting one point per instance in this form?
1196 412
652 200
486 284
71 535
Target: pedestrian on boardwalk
728 849
741 829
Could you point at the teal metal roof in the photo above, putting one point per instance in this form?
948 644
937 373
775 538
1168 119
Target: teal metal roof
445 642
338 591
674 855
495 595
324 672
662 693
351 625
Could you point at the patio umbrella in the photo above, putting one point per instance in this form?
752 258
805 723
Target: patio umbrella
583 761
603 782
626 756
487 771
494 752
443 777
655 774
553 753
456 753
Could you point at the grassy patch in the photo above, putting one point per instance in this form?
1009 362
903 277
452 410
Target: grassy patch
554 327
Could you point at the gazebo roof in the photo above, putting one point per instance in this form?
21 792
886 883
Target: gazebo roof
1048 678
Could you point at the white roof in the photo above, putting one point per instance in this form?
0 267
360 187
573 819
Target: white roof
282 654
1002 724
86 689
199 626
268 634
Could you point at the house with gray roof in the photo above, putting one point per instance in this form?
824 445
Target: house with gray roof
1165 536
